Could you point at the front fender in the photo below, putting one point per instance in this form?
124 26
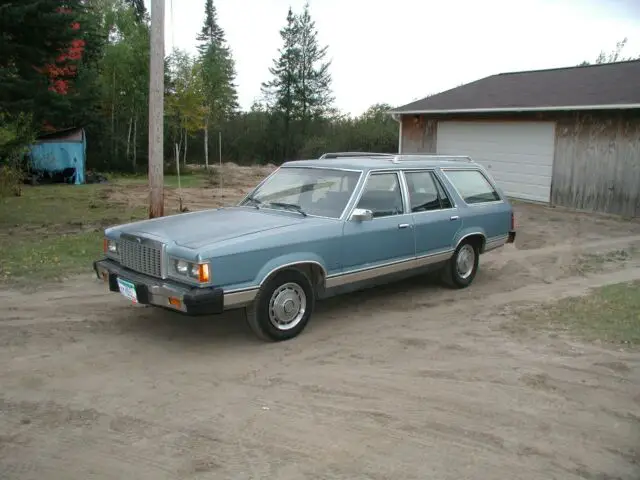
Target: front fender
288 260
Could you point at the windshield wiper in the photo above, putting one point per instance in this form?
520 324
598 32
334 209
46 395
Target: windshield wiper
290 206
255 201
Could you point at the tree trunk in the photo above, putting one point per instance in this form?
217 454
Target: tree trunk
113 116
206 144
186 139
129 137
135 143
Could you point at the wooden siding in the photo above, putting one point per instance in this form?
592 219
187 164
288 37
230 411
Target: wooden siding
418 134
597 163
596 158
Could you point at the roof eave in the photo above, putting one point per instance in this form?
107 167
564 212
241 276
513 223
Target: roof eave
627 106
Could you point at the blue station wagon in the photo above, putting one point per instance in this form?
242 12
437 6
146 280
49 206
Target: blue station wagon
310 230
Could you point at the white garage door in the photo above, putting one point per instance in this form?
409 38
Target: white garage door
519 155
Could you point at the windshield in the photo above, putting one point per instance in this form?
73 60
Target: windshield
321 192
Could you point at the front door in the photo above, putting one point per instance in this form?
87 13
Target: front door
435 216
386 243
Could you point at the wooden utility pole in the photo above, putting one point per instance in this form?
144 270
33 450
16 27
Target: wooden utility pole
156 111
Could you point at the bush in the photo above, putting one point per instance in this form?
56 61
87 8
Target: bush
11 178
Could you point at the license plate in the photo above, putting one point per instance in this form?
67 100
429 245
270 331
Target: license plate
128 290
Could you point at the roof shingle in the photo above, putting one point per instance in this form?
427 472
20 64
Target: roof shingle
599 85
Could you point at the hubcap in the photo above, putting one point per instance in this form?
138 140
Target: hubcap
287 306
465 261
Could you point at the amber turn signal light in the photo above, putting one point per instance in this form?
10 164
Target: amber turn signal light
204 274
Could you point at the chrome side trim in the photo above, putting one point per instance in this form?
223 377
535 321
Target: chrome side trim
432 258
240 298
369 273
495 242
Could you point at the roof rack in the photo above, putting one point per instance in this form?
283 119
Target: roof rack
399 157
430 156
354 154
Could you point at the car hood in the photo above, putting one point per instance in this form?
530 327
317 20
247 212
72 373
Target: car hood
193 230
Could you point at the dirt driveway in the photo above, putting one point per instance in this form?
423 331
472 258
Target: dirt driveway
410 381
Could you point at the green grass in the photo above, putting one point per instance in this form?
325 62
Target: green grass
609 314
63 205
53 231
46 258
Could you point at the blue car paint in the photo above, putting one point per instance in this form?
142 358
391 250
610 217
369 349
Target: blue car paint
245 244
374 243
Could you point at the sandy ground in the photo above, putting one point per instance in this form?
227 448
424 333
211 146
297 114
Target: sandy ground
225 186
410 381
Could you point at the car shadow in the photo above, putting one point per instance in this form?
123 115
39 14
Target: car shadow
160 325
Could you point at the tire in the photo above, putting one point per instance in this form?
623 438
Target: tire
290 289
459 273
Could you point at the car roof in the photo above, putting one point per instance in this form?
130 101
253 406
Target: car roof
376 161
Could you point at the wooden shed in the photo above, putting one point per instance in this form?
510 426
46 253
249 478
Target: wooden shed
566 136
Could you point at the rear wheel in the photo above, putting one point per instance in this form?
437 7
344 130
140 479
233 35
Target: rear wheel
283 306
461 269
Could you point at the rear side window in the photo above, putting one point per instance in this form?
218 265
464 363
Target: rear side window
425 192
472 186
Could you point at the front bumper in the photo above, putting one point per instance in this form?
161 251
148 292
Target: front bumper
169 294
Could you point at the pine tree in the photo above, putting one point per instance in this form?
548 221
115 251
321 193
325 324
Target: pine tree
313 90
211 32
280 91
218 73
218 65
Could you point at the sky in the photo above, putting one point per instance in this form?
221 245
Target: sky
400 51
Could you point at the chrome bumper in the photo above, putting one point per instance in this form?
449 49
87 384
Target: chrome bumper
172 295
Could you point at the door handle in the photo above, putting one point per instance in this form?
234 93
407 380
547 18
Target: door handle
454 217
404 225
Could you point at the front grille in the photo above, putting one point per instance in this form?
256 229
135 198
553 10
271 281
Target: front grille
144 257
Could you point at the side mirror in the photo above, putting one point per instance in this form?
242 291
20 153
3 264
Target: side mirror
361 215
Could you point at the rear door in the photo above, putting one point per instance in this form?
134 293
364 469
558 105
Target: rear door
435 216
484 207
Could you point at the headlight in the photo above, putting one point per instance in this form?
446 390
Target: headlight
196 271
110 246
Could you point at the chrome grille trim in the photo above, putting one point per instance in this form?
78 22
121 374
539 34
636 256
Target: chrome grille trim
142 255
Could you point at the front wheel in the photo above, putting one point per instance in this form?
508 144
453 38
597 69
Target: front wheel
461 269
283 306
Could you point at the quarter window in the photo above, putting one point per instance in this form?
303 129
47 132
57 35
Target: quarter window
472 186
382 195
426 192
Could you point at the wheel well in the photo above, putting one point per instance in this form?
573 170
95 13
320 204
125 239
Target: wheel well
477 239
314 272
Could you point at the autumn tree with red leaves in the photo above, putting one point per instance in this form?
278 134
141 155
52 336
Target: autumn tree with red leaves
44 45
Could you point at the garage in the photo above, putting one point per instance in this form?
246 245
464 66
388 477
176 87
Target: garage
519 155
567 137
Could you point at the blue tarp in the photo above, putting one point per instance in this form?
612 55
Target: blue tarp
55 154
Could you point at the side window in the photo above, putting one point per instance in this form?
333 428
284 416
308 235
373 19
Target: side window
445 201
472 186
382 195
426 192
